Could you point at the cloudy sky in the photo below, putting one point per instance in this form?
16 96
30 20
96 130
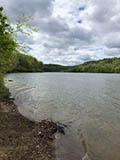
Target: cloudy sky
70 31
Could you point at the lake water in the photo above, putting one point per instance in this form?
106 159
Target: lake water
89 104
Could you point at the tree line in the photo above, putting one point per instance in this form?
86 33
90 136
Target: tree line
11 60
107 65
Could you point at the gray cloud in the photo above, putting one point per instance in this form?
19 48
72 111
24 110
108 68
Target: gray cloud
114 52
113 43
103 10
28 7
53 26
81 34
61 39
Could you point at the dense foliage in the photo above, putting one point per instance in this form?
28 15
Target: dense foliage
3 90
27 63
10 59
108 65
7 47
54 68
8 44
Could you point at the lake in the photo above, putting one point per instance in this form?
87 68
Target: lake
89 104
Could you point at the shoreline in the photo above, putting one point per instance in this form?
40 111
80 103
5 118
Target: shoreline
22 139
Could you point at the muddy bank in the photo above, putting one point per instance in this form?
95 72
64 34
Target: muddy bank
21 139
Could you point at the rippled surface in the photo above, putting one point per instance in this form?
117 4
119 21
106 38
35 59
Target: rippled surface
88 103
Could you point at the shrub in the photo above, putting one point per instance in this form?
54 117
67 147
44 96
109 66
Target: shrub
4 92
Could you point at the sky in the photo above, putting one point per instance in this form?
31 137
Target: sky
70 32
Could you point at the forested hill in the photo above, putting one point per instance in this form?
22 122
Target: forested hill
20 63
17 62
108 65
27 63
54 68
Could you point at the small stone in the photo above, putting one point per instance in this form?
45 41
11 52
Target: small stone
86 157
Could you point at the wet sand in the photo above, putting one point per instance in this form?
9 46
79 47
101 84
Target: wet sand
22 139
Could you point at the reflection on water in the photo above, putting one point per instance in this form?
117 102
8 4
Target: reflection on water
88 103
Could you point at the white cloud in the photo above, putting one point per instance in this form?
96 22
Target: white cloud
70 32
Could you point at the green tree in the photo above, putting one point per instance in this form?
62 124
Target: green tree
10 58
27 63
8 44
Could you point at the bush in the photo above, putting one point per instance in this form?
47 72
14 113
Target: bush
4 92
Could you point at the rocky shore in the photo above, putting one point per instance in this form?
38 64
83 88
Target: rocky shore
21 139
